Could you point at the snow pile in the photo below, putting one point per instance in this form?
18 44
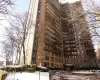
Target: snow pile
28 76
83 72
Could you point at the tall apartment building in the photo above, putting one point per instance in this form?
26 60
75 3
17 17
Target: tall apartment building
48 44
77 44
69 40
56 39
46 48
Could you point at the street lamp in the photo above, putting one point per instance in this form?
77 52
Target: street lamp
42 68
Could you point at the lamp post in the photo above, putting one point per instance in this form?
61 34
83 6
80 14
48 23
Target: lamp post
41 68
39 74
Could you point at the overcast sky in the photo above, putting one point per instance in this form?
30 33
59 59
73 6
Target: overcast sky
70 1
23 5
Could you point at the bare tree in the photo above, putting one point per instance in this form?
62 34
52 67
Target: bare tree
93 16
16 34
5 5
5 9
87 16
8 50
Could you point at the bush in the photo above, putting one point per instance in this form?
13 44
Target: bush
40 69
31 69
28 69
54 68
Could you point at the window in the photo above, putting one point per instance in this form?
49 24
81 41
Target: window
52 58
46 64
78 52
46 46
39 11
52 64
46 57
56 59
74 48
52 54
59 60
82 51
62 56
65 61
68 48
62 60
46 52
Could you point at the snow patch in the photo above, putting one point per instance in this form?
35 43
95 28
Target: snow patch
28 76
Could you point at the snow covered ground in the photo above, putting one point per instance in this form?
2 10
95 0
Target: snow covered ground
28 76
57 75
83 75
97 72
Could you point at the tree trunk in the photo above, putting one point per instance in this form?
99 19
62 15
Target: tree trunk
24 54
